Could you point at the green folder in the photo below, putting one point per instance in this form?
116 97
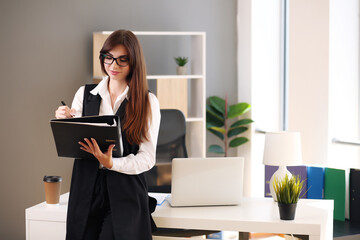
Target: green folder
334 188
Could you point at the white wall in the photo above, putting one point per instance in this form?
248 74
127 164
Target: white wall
344 86
344 81
259 76
324 76
46 49
323 90
308 77
244 80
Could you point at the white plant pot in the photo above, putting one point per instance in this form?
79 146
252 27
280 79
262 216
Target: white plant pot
181 70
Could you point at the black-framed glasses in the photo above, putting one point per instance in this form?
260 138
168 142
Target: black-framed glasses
121 61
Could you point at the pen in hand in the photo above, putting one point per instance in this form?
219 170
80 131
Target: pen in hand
64 104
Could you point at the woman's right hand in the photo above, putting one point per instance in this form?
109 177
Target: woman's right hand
64 112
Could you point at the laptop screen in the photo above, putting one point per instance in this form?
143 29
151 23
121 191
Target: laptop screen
207 181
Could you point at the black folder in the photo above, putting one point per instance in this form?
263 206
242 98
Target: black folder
354 195
68 132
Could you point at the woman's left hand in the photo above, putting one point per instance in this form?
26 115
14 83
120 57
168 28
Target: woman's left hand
92 147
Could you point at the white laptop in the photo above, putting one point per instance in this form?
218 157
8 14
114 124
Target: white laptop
207 181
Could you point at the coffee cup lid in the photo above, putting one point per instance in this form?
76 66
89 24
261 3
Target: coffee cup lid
52 179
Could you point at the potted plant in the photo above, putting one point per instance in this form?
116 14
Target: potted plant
287 192
181 62
218 114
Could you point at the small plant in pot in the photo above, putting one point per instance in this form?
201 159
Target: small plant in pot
287 192
181 62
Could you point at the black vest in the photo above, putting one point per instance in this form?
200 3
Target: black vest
129 202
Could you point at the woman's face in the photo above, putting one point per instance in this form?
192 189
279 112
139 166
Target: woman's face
116 72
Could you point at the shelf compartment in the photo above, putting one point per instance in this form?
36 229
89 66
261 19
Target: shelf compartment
194 119
154 77
159 50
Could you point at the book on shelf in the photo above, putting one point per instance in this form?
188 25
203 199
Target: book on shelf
354 183
315 182
334 188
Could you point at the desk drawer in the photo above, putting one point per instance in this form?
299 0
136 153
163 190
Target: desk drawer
45 230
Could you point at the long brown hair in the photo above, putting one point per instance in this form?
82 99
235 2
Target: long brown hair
138 109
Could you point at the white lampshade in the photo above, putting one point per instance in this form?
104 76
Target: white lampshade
282 149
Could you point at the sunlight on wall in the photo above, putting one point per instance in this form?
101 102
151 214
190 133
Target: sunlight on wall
263 78
344 82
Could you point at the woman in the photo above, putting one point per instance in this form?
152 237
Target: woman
108 196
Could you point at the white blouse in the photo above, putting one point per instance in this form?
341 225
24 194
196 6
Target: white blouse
145 159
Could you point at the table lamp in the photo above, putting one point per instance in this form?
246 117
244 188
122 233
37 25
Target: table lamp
281 149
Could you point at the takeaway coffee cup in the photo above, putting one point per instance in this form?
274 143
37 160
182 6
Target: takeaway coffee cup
52 189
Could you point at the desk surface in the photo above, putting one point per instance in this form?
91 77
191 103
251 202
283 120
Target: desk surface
253 215
313 217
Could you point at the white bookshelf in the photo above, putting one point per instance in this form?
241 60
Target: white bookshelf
174 76
196 80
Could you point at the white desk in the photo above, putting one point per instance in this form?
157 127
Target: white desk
313 218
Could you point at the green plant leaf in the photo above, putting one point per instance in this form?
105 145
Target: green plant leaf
241 122
181 61
238 141
214 111
238 109
288 189
218 134
216 149
235 131
213 118
218 103
218 129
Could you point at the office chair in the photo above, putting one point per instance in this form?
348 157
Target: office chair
171 144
